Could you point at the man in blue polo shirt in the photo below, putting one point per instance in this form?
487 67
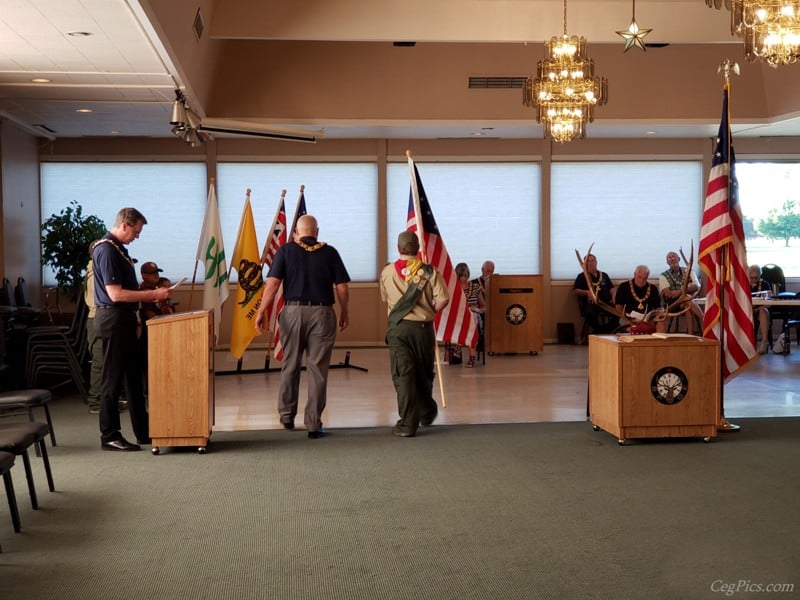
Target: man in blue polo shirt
117 297
310 271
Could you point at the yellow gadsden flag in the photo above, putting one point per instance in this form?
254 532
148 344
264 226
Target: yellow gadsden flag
247 262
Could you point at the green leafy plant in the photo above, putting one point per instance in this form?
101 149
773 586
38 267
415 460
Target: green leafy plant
65 245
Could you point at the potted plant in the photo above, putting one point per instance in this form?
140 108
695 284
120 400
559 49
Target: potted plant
65 245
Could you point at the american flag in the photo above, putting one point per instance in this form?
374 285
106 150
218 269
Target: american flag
276 239
455 324
723 258
299 211
277 236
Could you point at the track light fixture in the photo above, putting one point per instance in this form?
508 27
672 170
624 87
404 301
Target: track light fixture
186 123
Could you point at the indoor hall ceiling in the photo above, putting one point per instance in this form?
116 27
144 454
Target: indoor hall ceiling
126 74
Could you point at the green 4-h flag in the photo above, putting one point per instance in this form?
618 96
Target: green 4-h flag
211 252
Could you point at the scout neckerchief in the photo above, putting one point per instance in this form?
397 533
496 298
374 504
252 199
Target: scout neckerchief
416 274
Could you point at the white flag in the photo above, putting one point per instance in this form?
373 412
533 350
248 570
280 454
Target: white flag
211 252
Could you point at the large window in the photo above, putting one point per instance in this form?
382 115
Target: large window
484 211
633 213
769 193
172 196
342 196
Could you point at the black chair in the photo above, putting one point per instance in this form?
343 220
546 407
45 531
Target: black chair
22 316
6 462
774 275
59 351
22 299
16 438
25 401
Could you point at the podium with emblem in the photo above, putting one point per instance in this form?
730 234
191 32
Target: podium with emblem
514 308
180 377
654 386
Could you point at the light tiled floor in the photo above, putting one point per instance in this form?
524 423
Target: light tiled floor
550 386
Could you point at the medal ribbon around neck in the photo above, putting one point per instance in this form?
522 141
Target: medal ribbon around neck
641 301
308 248
596 284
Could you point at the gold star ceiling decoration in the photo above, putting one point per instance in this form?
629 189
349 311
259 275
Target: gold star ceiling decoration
633 35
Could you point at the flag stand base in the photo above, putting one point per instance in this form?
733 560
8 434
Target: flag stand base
727 426
346 364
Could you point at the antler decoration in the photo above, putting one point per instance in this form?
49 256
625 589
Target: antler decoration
683 301
593 296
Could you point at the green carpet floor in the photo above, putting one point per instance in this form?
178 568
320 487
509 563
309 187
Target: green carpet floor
546 510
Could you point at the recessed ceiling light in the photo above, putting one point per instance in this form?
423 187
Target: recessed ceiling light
79 33
650 132
114 132
83 110
40 80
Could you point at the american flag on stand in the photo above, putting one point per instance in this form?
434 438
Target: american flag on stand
455 324
276 239
299 211
723 258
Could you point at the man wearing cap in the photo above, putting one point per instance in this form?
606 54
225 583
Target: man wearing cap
310 271
414 292
117 296
147 310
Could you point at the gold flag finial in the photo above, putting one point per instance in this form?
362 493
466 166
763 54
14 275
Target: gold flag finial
726 68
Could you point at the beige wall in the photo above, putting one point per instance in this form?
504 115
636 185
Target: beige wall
20 185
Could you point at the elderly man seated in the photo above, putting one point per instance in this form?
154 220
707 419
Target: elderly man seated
670 285
639 299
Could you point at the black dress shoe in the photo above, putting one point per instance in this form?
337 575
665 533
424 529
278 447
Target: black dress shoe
120 445
400 432
427 421
319 433
287 424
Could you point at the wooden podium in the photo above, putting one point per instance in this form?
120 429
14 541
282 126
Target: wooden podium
514 320
653 387
180 379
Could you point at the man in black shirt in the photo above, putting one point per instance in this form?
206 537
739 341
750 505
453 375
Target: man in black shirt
117 297
309 271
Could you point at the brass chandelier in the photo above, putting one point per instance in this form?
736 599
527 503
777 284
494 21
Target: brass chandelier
770 29
565 90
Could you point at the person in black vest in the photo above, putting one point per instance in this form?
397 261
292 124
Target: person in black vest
117 297
309 271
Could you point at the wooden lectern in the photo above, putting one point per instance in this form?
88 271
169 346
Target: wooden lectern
514 307
654 387
180 362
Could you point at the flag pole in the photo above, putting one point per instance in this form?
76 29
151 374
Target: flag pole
724 425
263 261
421 238
194 275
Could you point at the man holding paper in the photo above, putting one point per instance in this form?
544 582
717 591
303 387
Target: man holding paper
637 298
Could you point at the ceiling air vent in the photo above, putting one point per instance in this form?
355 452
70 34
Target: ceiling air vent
496 83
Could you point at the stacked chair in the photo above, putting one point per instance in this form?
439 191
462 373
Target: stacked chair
56 351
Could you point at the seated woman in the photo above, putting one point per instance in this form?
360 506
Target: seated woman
476 302
760 313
